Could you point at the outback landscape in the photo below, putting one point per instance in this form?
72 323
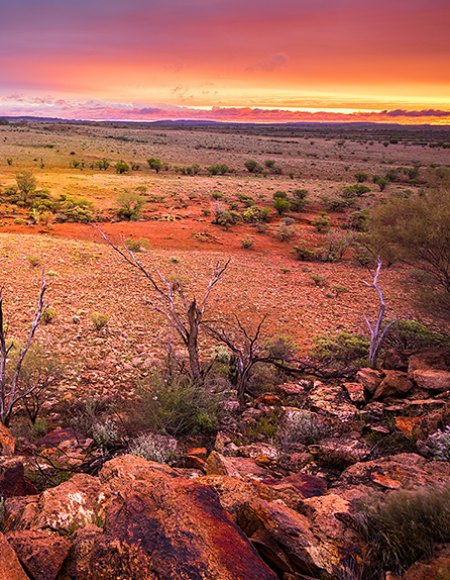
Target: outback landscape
207 350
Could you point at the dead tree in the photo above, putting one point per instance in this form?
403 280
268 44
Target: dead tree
10 390
245 354
377 339
187 319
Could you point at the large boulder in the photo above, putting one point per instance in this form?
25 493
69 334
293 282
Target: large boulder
395 384
172 528
14 483
41 553
331 400
10 568
432 380
7 442
428 359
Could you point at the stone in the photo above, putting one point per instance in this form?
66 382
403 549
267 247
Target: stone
7 443
339 453
356 392
431 567
14 483
426 426
221 441
268 400
293 389
428 359
10 568
130 468
331 400
42 553
406 424
64 508
172 528
370 379
306 485
217 464
432 380
394 384
77 563
395 360
256 449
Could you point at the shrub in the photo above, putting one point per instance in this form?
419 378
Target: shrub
322 222
247 242
129 205
343 348
154 448
121 167
359 220
337 204
298 202
72 209
280 202
133 244
380 181
34 261
219 169
99 320
253 167
409 334
354 191
319 280
336 245
247 200
439 443
178 406
154 164
49 315
303 254
106 433
256 214
302 427
360 177
404 526
284 232
338 290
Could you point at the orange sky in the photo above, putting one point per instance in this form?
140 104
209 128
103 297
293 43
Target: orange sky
57 56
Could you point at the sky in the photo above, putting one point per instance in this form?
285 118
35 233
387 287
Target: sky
228 60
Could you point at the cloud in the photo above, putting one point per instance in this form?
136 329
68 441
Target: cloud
425 113
270 64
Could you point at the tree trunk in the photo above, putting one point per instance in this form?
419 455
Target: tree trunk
192 343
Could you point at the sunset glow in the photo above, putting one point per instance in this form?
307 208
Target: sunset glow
147 60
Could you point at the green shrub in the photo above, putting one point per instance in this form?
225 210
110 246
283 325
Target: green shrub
343 348
49 315
247 242
106 433
337 204
409 334
360 177
322 222
133 244
247 200
303 254
319 280
403 526
285 232
71 209
121 167
253 167
34 261
359 220
256 214
178 406
281 205
99 320
439 443
354 191
154 164
129 205
336 244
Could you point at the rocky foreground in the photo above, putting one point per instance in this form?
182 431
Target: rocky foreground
248 512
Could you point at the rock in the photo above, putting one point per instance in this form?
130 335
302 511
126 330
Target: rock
356 393
217 464
331 400
394 384
294 462
268 400
14 483
426 426
431 567
313 543
57 436
221 441
83 541
307 485
395 360
7 443
10 568
40 552
406 424
369 379
427 359
339 453
432 380
64 508
384 481
131 468
293 388
172 528
253 451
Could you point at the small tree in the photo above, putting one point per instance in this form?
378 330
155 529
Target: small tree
129 205
155 164
253 166
11 390
26 184
121 167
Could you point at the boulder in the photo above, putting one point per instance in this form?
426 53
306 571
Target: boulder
331 400
395 360
172 528
428 359
219 465
432 380
41 553
431 567
14 483
394 384
83 541
64 508
369 379
7 443
356 392
339 453
10 568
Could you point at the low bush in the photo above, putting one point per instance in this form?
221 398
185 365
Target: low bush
343 348
247 242
154 448
409 334
99 320
404 526
302 426
322 222
303 254
106 434
129 205
439 443
285 232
